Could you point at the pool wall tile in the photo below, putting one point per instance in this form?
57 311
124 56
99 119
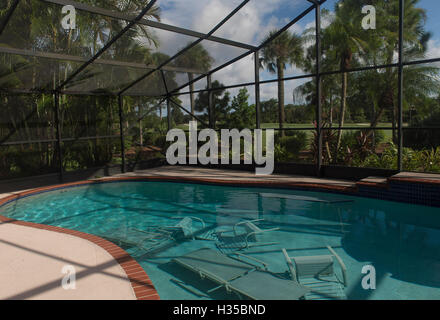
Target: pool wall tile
417 192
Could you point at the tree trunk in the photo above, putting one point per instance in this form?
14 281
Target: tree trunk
395 117
281 113
343 108
141 134
331 111
386 100
69 42
191 95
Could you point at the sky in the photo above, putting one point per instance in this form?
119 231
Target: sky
251 25
433 25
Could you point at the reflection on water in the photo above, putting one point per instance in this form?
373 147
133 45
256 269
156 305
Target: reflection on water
402 241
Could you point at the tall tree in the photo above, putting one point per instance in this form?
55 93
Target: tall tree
242 114
284 50
220 99
269 110
198 59
418 79
343 38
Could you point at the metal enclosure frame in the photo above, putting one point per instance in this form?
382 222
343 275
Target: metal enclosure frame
315 5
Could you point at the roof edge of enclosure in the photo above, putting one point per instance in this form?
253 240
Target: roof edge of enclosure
149 68
75 71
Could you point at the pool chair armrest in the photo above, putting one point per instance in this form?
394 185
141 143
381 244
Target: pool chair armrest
200 220
290 266
341 264
194 218
244 222
271 229
251 258
253 233
188 230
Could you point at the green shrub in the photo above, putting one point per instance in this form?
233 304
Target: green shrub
388 159
287 148
412 160
350 138
281 154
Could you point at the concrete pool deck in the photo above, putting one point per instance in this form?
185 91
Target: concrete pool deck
32 256
32 260
233 175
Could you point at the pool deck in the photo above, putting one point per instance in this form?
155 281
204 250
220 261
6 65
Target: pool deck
33 256
32 260
234 176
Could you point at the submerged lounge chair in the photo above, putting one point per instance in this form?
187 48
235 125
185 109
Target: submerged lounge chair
240 277
163 237
155 237
241 235
317 274
184 228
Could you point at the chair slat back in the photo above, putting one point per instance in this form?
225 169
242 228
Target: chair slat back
312 266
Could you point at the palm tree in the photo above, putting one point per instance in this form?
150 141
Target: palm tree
343 38
284 50
197 58
418 79
329 85
154 85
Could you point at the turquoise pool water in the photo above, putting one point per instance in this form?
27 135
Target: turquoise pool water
401 241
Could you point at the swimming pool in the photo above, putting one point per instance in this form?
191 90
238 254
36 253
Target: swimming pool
401 241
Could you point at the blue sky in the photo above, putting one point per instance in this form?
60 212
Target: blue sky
433 10
250 25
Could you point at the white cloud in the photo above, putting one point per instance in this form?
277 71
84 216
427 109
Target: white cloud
197 15
250 25
433 49
270 90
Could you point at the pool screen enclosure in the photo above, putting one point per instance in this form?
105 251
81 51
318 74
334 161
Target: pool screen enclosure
86 83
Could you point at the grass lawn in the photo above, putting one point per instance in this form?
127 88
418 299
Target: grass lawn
387 133
305 125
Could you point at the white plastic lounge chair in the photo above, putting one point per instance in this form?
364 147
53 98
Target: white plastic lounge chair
240 277
317 274
241 235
